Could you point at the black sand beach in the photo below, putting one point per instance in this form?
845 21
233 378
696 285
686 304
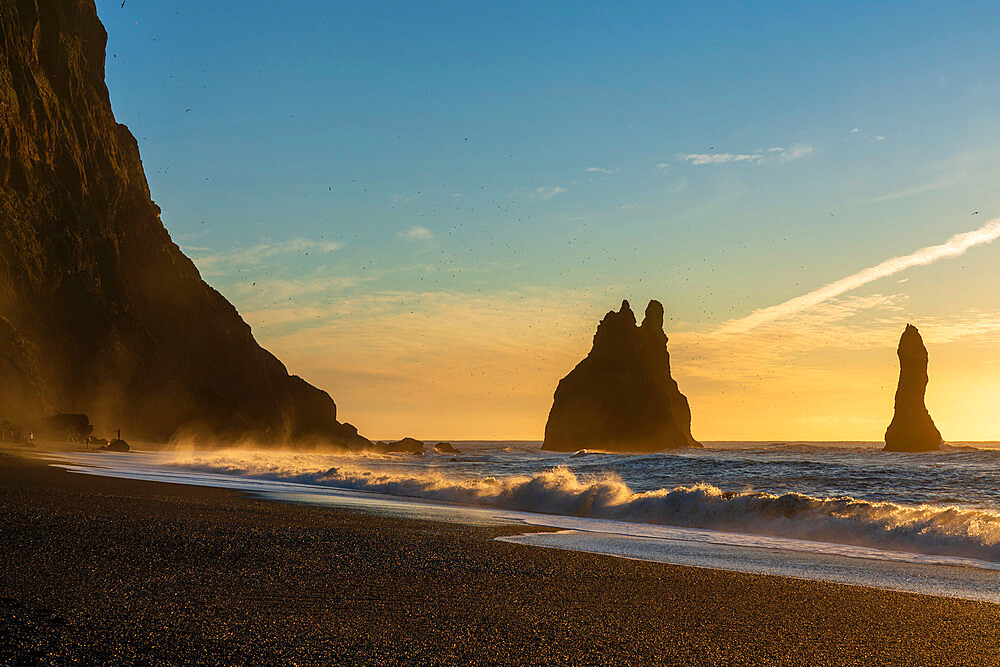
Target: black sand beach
108 571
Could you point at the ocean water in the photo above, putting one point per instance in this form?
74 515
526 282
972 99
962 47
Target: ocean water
838 511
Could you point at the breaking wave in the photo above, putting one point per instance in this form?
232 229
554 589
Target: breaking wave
928 529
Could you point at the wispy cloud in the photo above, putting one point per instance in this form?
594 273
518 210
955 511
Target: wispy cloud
242 256
953 247
791 153
764 155
937 184
392 355
416 233
549 193
271 292
190 236
721 158
601 170
800 354
741 356
867 135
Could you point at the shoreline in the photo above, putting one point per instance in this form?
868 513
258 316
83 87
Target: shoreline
112 570
925 573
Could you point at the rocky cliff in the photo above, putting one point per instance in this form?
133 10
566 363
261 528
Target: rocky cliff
911 429
100 312
621 397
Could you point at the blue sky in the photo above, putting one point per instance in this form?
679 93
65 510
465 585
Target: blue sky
490 179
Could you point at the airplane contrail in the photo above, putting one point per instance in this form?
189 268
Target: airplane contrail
953 247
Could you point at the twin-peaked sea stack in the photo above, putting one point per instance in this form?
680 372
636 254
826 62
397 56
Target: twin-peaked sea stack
621 398
912 429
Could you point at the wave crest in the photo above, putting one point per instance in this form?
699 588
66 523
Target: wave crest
930 529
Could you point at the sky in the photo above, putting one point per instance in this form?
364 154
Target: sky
426 208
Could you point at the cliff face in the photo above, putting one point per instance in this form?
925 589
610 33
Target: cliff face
911 429
100 312
621 397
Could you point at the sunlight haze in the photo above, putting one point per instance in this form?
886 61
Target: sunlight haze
426 212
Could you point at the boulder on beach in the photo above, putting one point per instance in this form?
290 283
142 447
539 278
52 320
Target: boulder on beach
404 446
66 427
621 397
117 445
911 429
446 448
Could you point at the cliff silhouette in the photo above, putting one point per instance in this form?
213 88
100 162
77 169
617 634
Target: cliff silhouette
100 312
621 397
911 429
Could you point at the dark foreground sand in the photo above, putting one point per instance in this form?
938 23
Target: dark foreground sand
104 571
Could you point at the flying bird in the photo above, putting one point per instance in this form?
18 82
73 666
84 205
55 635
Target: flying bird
123 3
975 213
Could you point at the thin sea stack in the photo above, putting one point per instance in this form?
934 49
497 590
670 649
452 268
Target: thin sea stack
912 429
621 397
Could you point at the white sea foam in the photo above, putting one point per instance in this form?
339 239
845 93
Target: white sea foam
918 562
929 529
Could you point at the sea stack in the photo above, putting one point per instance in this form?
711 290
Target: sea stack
911 429
621 397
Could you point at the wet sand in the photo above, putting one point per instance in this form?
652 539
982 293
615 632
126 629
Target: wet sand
99 570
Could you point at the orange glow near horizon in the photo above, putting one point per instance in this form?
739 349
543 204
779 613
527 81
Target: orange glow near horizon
463 371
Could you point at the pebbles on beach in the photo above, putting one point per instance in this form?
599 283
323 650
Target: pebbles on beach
102 570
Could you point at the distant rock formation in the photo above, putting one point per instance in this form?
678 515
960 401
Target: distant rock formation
446 448
911 429
621 398
100 312
117 445
66 427
404 446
